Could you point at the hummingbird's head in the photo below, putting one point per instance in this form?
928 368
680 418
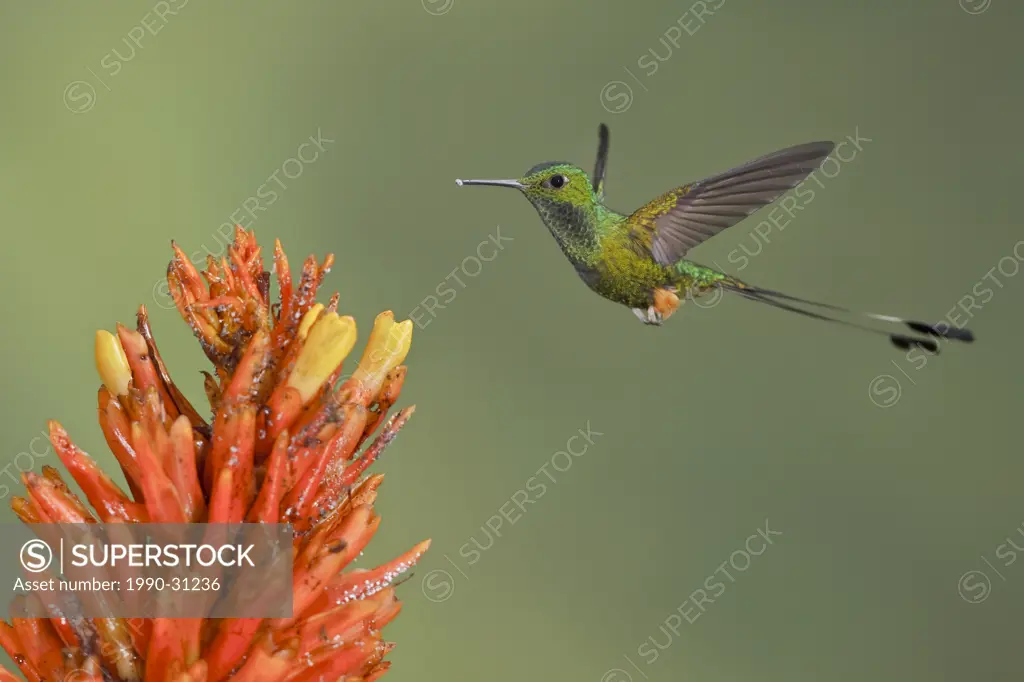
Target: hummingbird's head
556 183
561 192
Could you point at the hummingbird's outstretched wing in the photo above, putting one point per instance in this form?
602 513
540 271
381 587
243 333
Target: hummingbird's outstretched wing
603 140
684 217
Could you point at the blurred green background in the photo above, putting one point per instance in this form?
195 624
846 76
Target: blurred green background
888 478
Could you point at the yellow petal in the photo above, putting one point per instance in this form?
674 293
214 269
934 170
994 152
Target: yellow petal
309 318
388 345
327 343
112 363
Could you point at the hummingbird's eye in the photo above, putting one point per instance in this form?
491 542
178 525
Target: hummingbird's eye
558 181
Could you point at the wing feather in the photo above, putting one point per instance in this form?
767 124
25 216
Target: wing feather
686 216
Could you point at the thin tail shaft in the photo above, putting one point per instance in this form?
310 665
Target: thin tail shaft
782 301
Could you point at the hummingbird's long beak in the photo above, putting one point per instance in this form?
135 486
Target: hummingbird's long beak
496 183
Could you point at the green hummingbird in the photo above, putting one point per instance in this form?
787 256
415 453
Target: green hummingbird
639 260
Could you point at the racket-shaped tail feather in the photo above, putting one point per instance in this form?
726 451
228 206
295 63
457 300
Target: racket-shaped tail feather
846 317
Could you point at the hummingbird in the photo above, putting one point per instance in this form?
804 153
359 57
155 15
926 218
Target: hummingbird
640 260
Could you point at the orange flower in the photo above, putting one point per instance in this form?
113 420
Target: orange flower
284 446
